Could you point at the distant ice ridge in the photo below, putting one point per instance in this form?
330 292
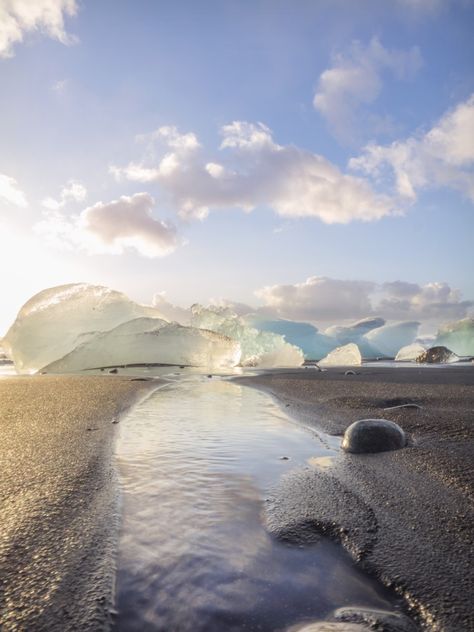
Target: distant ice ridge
259 348
457 336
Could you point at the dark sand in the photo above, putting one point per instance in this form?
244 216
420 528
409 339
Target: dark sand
406 516
58 505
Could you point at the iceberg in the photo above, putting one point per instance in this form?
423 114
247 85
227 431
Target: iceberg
303 335
259 348
347 355
437 355
53 322
457 336
354 332
388 340
150 341
410 353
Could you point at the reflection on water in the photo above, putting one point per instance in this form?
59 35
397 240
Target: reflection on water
196 461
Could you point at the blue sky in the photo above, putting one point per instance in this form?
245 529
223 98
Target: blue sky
347 153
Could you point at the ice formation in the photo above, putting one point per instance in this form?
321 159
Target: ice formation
259 348
437 355
386 341
457 336
56 320
150 340
303 335
347 355
354 332
79 326
409 353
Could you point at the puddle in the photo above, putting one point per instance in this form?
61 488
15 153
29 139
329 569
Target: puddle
196 461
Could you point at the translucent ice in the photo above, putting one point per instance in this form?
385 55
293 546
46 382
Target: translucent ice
457 336
353 332
259 348
56 320
303 335
348 355
150 340
409 353
389 339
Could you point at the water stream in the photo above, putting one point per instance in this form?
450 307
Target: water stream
196 461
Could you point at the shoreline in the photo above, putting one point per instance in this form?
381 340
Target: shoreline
404 516
58 490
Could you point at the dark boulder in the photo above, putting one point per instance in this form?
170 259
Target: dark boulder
373 435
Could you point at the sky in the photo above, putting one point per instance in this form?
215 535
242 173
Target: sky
311 159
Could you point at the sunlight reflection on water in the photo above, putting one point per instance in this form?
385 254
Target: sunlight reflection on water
196 461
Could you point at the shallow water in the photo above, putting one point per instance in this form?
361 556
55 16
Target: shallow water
196 461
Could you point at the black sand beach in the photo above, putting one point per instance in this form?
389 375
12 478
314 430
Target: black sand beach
58 514
406 516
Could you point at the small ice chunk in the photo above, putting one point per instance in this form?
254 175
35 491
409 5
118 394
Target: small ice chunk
348 355
437 355
409 353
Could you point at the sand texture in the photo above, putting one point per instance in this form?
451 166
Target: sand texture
58 502
406 516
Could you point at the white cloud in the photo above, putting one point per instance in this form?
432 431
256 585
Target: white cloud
355 80
319 298
18 17
10 193
256 172
442 157
112 228
326 299
71 192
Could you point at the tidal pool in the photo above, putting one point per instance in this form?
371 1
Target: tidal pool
196 462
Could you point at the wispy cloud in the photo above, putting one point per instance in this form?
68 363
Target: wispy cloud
355 80
112 228
441 157
10 193
253 170
19 17
73 191
323 298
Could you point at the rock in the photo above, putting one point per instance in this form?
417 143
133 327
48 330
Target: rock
331 626
437 355
373 435
113 371
376 619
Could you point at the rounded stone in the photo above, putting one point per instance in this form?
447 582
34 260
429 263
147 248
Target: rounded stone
373 435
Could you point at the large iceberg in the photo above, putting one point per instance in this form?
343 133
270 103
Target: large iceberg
314 344
347 355
56 320
259 348
344 334
457 336
150 341
79 326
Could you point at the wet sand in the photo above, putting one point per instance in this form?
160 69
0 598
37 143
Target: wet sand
58 504
406 516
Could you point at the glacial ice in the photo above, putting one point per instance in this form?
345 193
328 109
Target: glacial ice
352 333
409 353
150 340
314 344
79 326
388 340
53 322
457 336
259 348
347 355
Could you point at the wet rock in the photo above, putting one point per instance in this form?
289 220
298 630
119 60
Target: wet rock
113 371
437 355
373 435
376 619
